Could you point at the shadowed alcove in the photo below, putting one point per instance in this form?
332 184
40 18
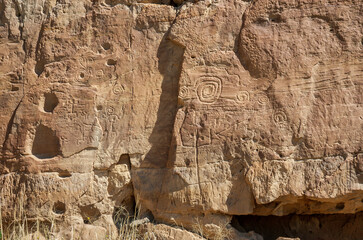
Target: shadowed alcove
46 143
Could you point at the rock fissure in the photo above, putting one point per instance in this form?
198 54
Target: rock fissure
10 123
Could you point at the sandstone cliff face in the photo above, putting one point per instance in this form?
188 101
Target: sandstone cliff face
198 112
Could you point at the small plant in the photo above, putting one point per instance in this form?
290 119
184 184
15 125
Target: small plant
198 227
123 219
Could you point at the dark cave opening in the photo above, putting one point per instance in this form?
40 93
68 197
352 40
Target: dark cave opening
125 213
305 227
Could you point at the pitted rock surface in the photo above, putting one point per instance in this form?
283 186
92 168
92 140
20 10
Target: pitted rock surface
195 111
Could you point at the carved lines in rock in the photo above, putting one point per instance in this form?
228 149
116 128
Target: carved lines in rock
118 89
110 110
184 92
279 117
209 89
242 97
262 99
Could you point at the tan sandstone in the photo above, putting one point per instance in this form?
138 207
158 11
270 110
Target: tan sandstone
200 113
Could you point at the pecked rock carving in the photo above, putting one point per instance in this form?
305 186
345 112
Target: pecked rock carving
224 117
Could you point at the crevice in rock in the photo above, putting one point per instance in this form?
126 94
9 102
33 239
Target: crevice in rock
125 159
10 124
40 63
198 166
19 13
125 213
305 227
45 143
121 191
2 15
80 151
20 18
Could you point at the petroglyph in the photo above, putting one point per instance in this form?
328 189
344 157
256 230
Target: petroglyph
242 97
201 111
209 89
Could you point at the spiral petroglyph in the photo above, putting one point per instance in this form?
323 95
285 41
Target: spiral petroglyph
262 99
110 110
240 118
279 117
209 89
242 97
118 89
99 73
184 92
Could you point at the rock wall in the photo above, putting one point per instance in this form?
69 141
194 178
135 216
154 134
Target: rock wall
196 112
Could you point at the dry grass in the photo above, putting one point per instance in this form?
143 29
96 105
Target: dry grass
26 229
20 227
123 220
23 228
212 231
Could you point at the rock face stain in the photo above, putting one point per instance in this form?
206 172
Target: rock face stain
193 111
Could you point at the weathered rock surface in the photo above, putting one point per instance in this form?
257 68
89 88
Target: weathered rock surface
165 232
195 111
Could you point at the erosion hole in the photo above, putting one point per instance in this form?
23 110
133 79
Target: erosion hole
46 143
89 213
50 102
64 174
111 62
106 46
14 88
59 207
275 18
39 68
340 206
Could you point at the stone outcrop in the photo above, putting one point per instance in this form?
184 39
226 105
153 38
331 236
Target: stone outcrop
196 112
